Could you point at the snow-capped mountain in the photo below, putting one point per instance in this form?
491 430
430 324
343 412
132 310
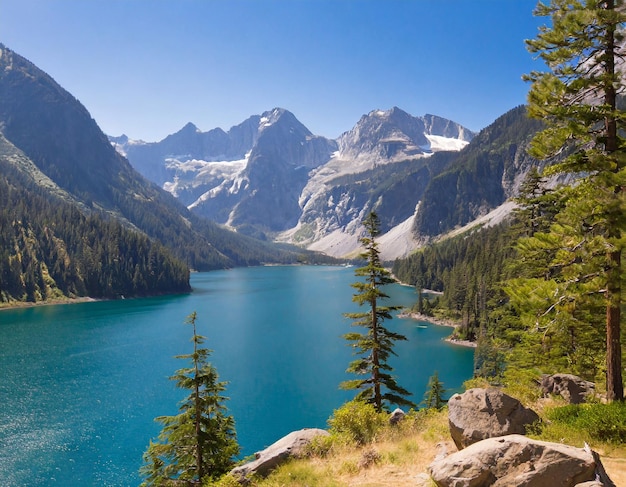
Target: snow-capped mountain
341 192
271 176
386 136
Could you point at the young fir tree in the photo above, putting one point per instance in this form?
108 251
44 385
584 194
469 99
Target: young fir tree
200 442
577 99
433 398
376 344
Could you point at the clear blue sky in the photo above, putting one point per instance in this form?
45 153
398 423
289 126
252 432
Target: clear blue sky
147 67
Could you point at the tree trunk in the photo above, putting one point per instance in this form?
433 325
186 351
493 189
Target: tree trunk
614 385
378 400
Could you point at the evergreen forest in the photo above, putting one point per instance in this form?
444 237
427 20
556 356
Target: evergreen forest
49 249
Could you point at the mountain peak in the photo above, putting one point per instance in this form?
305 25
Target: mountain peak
190 127
392 134
269 118
392 112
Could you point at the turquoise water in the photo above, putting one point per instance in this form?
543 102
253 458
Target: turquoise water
81 384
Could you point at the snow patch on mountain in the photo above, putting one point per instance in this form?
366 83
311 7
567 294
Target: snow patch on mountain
195 173
440 143
229 174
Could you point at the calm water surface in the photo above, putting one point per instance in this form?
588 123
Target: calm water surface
81 384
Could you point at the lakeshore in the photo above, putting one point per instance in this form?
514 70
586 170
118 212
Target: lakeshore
440 322
48 302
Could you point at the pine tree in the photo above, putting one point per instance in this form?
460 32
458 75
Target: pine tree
376 345
577 99
538 204
199 442
433 398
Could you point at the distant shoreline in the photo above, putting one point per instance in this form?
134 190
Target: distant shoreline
440 322
48 302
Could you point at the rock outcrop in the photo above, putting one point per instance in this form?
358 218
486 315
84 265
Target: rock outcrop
571 387
277 453
517 461
478 414
396 416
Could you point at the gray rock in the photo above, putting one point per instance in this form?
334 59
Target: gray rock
396 416
274 455
517 461
478 414
571 387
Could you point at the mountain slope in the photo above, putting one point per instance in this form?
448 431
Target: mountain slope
384 163
54 131
482 176
424 199
250 176
290 184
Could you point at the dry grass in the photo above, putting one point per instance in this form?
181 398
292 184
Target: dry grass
399 457
614 461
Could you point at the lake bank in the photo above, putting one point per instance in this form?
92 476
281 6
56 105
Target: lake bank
49 302
440 322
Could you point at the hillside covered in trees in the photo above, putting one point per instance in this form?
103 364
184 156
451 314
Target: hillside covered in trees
49 249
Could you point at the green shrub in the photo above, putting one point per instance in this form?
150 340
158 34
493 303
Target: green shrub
357 421
602 422
322 446
523 384
225 481
298 473
476 382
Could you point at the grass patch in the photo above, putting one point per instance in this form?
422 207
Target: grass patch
300 472
591 423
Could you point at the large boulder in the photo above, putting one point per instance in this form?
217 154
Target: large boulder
571 387
518 461
478 414
277 453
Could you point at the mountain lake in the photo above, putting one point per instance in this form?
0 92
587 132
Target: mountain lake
82 383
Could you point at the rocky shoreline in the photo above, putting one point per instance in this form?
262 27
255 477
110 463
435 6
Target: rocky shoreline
440 322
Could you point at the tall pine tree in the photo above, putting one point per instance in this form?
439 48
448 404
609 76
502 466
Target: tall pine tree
577 99
376 344
199 442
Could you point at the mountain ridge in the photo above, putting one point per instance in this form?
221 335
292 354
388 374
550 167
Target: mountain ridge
288 171
390 163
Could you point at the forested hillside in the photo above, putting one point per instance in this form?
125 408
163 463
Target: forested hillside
467 269
49 249
491 281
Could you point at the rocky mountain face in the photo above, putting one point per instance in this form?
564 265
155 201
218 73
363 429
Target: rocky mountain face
297 187
249 177
395 135
481 178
